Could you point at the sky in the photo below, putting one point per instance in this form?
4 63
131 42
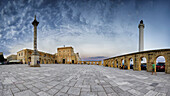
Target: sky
93 28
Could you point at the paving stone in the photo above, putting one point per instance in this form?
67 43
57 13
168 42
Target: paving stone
52 91
35 90
64 89
102 94
77 80
85 89
88 94
15 90
25 93
151 93
97 88
21 87
59 87
108 90
117 89
113 94
43 94
74 91
61 94
134 92
161 94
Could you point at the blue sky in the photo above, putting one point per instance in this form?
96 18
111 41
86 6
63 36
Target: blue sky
93 27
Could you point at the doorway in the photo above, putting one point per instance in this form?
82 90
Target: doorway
63 61
72 61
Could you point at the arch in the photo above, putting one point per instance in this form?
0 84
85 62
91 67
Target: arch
29 59
45 61
55 61
116 63
40 60
161 63
130 63
143 63
111 63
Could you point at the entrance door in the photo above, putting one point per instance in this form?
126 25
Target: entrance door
63 61
72 61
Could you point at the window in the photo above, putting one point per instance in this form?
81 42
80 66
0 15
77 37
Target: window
19 54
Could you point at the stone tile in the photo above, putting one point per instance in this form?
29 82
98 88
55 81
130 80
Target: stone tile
151 93
64 89
102 94
85 89
74 91
108 90
25 93
55 79
15 90
117 89
113 94
97 88
61 94
59 87
43 94
134 92
88 94
52 91
161 94
21 87
35 90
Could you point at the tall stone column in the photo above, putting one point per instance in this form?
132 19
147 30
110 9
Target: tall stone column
35 54
141 35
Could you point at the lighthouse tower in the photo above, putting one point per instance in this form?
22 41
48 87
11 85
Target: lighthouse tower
141 35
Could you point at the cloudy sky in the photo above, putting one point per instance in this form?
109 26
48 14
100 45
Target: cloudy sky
93 27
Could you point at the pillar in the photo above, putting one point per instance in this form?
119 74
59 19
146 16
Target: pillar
35 54
141 35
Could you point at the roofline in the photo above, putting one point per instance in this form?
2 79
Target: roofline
38 51
138 53
64 48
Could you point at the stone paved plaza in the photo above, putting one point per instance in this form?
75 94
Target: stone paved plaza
80 80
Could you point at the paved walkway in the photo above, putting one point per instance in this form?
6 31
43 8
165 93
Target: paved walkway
80 80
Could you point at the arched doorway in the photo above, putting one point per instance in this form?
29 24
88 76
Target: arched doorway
63 61
55 61
42 61
72 61
45 61
29 59
160 64
130 63
143 63
116 63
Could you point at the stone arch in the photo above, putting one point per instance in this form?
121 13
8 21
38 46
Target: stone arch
166 63
140 60
111 63
130 62
45 62
40 60
116 64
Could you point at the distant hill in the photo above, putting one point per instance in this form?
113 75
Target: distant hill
97 58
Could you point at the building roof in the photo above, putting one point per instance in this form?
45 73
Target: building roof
38 51
65 48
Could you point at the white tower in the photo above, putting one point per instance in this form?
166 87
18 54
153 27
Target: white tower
141 35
